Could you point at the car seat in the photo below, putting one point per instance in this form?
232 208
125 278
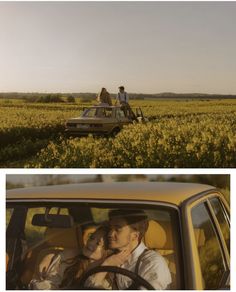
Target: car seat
159 238
66 241
57 240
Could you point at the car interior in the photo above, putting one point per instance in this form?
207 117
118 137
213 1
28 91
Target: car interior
35 234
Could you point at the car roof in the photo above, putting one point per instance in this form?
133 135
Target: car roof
167 192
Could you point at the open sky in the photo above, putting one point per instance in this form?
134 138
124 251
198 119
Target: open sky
148 47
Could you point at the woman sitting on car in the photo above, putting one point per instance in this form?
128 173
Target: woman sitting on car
104 97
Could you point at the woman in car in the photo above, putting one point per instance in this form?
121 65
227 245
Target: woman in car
94 252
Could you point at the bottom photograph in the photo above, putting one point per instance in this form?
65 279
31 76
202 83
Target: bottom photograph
117 232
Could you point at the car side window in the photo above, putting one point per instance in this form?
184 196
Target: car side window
222 219
209 249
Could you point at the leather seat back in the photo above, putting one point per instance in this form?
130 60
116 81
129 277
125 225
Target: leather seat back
159 237
56 240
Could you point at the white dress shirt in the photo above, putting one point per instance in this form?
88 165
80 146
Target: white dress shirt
122 97
153 268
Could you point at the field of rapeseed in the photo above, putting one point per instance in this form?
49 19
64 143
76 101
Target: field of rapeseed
180 134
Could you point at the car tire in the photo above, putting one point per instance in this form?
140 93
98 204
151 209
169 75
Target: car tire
115 131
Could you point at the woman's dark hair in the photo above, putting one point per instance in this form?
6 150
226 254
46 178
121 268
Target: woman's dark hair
79 264
102 90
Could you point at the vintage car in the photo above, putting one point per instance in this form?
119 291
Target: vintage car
189 225
103 120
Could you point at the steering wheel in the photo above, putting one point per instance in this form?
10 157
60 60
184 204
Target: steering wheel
137 280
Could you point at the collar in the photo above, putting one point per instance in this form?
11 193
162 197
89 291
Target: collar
136 253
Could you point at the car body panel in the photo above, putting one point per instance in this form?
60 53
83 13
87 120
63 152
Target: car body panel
100 122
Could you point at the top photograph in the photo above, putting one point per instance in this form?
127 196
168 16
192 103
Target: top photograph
118 84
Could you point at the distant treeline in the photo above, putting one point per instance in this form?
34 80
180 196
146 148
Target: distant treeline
70 97
170 95
47 97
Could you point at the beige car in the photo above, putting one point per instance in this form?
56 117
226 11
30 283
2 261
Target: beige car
189 226
102 120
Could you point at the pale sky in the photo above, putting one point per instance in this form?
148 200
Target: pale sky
148 47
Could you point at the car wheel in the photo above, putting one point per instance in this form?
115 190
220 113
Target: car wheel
115 131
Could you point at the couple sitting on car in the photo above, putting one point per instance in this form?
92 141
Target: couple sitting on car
104 97
122 99
118 245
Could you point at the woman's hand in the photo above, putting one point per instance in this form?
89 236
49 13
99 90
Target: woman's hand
117 259
99 279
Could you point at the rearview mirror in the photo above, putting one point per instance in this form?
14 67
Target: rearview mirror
53 220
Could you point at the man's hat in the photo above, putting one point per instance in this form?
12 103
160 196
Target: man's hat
132 215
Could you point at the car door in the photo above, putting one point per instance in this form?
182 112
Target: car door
139 114
121 118
209 232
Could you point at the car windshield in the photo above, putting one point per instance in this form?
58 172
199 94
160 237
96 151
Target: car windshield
99 112
66 238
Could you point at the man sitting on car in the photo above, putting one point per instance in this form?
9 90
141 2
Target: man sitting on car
122 98
127 229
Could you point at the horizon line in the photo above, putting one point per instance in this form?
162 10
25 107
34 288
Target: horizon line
87 92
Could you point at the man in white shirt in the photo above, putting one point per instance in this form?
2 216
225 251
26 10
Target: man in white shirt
127 229
122 96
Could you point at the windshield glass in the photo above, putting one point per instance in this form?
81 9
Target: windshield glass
69 239
100 112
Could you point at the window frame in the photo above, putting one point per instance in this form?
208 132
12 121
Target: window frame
226 210
177 235
224 246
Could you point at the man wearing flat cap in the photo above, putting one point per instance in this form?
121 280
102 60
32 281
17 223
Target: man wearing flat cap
125 237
